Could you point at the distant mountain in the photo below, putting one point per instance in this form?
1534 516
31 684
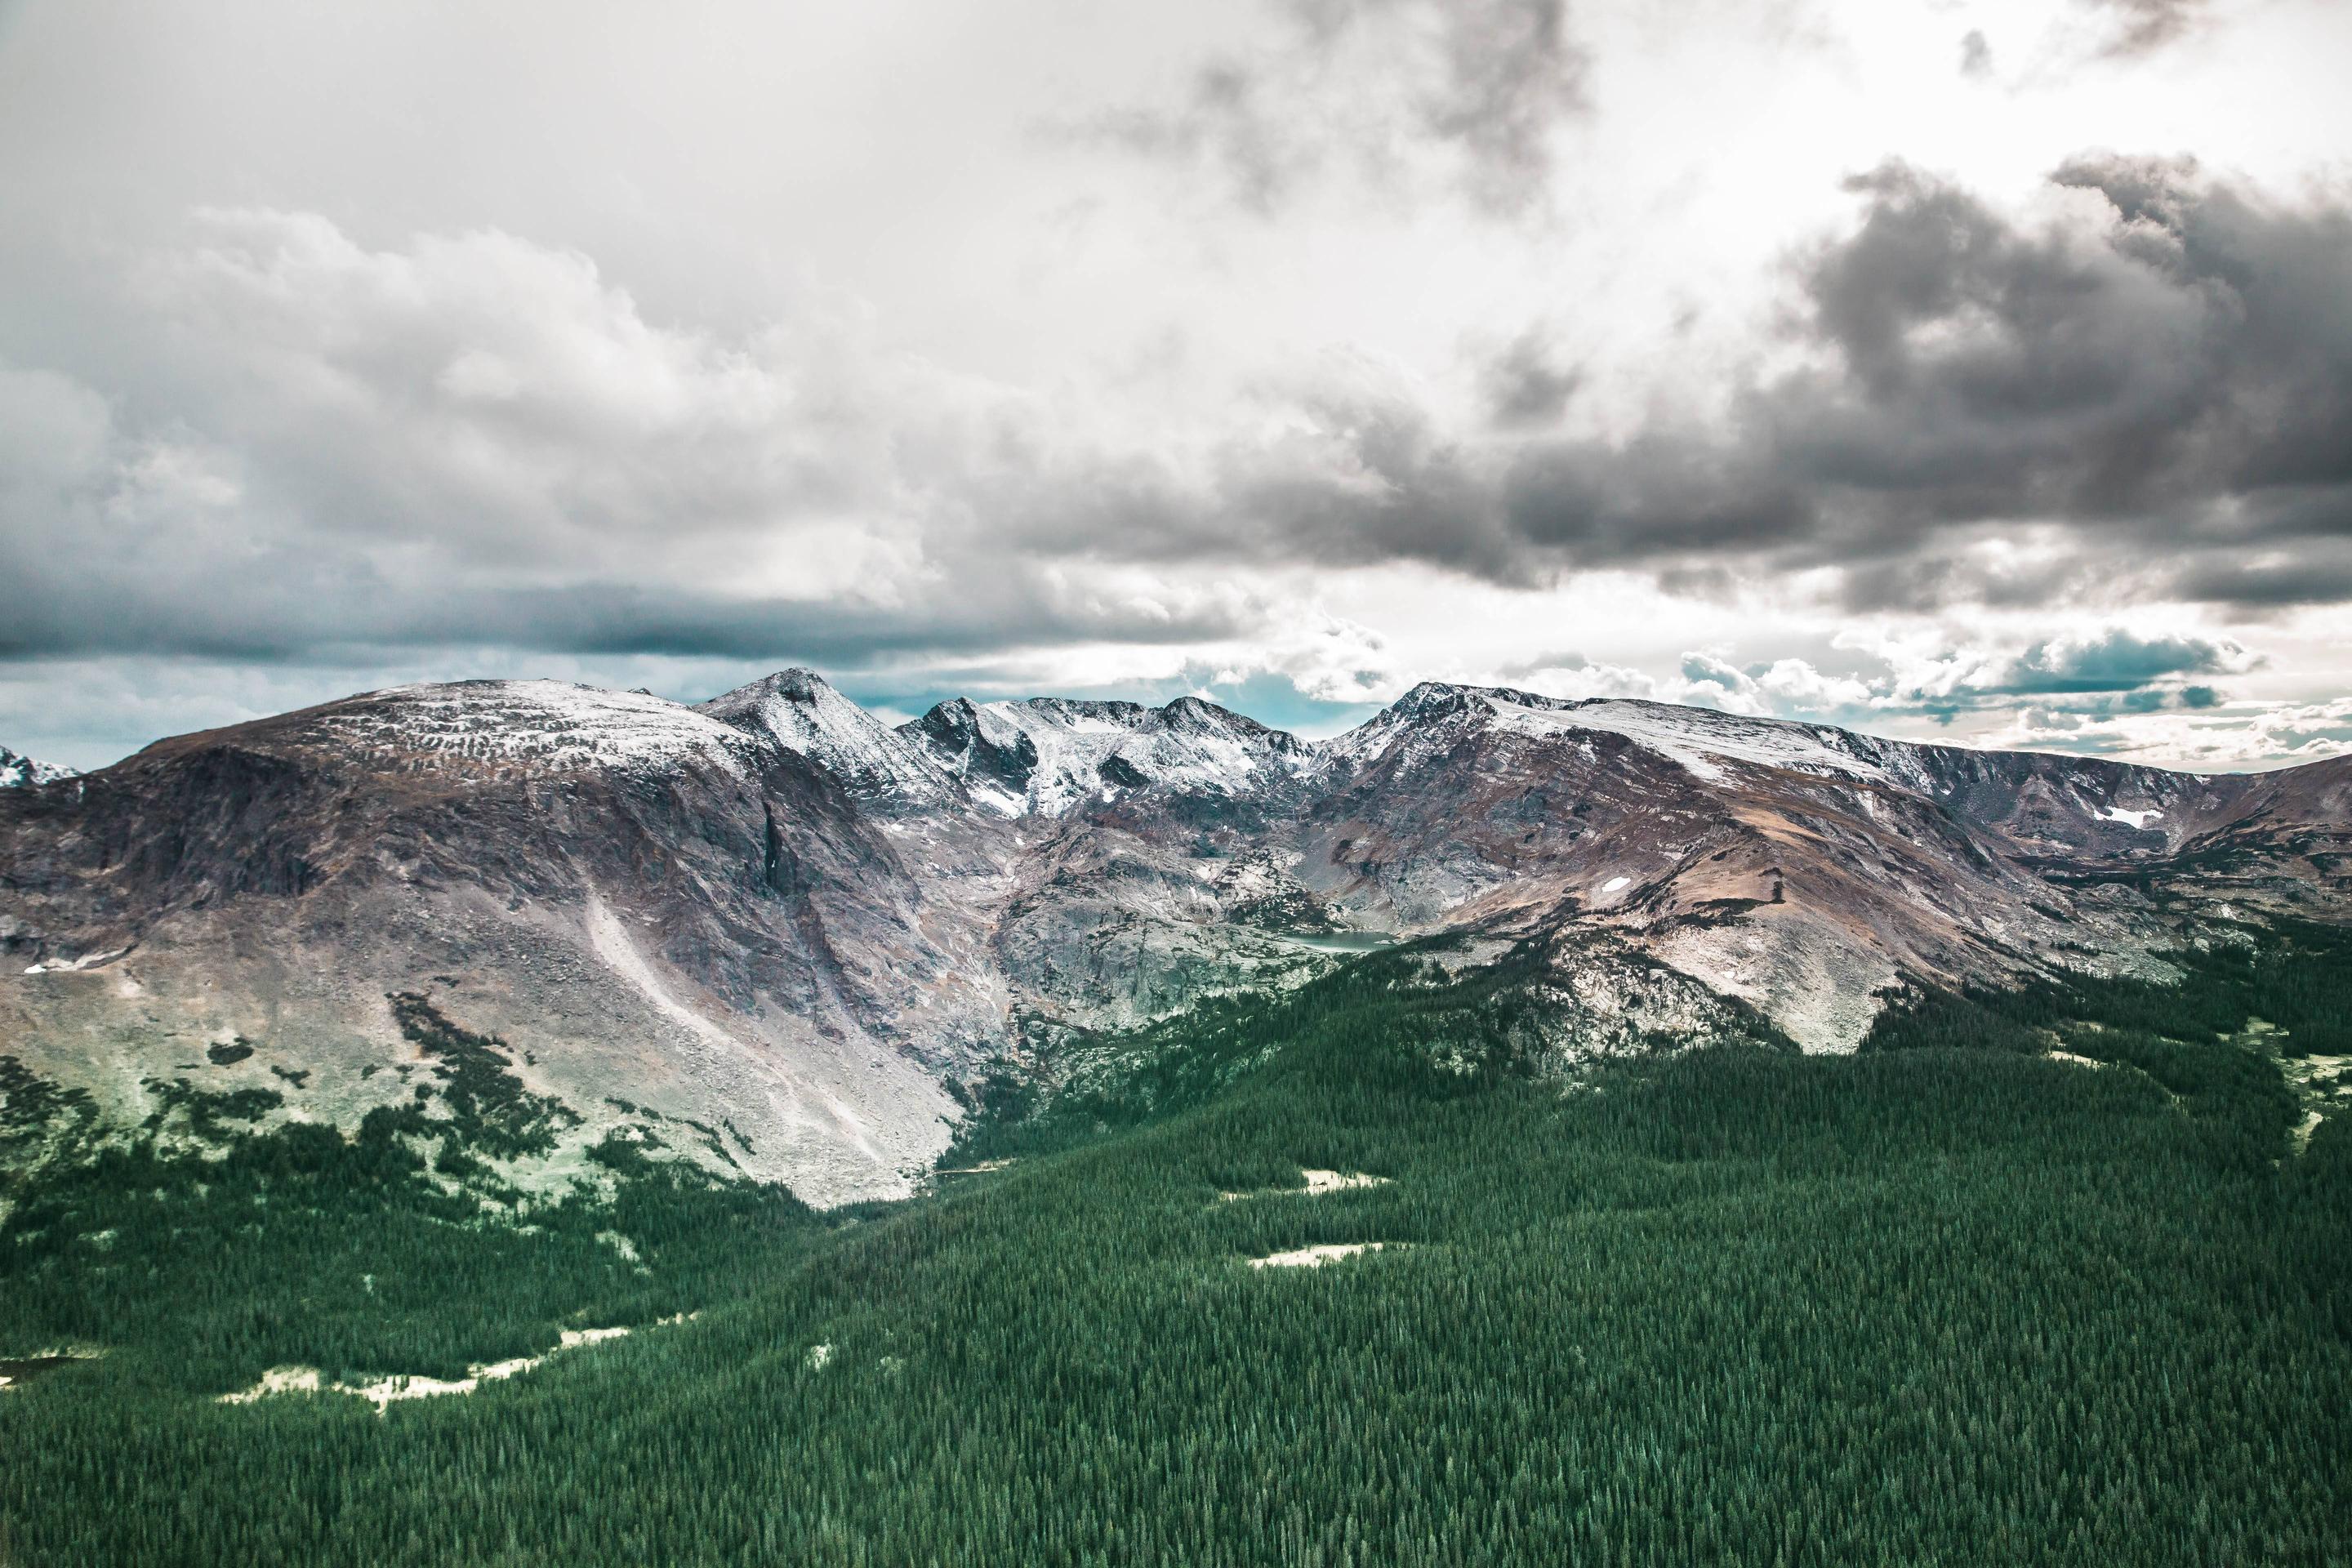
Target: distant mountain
773 934
18 771
1805 869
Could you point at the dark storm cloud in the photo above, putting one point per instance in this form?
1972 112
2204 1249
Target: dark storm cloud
242 614
1482 82
1525 385
476 439
2116 660
2165 373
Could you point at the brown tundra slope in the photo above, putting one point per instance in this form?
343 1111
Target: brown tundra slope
775 934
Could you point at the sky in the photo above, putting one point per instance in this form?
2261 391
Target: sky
1967 370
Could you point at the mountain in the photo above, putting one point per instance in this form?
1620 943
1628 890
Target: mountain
660 910
20 772
771 934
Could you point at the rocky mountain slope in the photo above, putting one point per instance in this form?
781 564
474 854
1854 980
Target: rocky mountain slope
775 935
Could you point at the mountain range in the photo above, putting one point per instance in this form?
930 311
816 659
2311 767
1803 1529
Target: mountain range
785 938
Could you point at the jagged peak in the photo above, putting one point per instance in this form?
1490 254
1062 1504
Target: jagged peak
793 684
1430 698
1200 710
801 712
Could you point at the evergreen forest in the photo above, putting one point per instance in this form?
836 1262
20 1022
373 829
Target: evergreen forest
2055 1276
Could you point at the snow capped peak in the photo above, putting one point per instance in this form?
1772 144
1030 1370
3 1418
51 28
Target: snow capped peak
1436 699
1701 740
1044 755
547 723
20 772
801 711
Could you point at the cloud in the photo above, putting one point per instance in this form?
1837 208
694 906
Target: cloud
1975 55
2085 679
2194 734
2148 391
2154 379
2136 27
1468 92
1526 386
473 438
2116 660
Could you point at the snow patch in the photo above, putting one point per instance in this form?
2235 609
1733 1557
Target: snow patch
2133 819
1613 883
1317 1256
385 1391
76 965
1318 1183
20 772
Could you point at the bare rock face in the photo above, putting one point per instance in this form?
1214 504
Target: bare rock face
780 922
658 906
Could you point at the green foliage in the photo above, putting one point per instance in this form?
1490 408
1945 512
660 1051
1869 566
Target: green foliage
1917 1306
203 1114
1394 1020
500 1116
2297 977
